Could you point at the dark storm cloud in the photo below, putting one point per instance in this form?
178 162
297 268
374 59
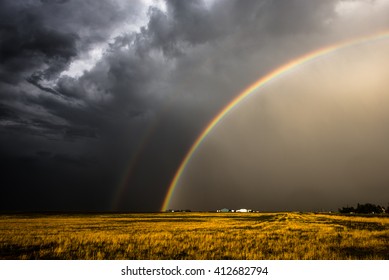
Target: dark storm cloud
39 40
148 95
28 43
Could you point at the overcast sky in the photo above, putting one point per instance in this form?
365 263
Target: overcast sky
101 100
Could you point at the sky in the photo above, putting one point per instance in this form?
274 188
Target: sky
100 101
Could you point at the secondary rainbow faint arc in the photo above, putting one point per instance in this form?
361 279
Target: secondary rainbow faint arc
256 85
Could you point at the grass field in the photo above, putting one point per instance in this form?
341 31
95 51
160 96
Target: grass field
194 236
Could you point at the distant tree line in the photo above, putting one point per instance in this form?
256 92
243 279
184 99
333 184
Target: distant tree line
367 208
178 210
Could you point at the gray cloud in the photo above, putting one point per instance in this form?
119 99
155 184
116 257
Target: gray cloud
157 83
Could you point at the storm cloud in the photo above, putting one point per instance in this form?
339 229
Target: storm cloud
101 100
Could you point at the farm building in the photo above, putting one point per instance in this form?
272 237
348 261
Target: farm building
224 210
244 210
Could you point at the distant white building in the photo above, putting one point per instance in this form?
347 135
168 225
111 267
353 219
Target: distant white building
244 210
224 210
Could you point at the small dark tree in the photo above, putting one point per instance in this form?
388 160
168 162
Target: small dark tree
368 208
346 210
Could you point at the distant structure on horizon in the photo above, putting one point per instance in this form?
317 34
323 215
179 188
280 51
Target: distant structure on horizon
223 210
242 210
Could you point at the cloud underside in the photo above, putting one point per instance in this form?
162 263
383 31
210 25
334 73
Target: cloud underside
153 77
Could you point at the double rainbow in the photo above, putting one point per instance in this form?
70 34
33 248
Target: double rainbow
291 65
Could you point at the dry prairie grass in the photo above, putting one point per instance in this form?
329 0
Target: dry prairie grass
194 236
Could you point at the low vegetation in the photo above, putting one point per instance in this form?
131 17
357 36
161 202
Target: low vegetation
195 236
367 208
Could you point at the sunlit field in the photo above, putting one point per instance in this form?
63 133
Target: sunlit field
194 236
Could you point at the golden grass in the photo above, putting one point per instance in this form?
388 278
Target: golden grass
194 236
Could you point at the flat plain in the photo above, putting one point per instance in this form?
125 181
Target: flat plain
273 236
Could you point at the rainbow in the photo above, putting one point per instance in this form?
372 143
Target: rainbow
291 65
